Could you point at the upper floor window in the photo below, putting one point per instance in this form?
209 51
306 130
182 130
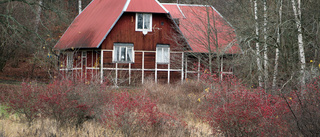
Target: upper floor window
123 53
143 22
163 54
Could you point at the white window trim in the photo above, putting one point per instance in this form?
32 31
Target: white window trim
162 46
150 26
126 46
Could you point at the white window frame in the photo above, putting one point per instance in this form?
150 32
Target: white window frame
69 60
143 22
161 52
117 53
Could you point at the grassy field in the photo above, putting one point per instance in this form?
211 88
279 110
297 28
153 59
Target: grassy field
177 100
223 108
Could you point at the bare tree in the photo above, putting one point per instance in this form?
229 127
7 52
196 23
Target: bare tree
257 43
265 47
297 14
79 6
38 15
276 61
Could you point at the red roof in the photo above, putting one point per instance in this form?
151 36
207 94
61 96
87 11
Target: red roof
150 6
92 26
193 23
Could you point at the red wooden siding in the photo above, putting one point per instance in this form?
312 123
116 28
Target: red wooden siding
124 32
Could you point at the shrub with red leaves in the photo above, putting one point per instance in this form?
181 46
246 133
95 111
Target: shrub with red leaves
235 110
24 101
135 112
69 103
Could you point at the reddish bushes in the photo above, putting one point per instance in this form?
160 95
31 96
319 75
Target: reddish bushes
136 113
235 110
72 103
24 101
227 106
67 102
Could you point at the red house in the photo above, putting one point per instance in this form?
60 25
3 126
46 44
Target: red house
128 41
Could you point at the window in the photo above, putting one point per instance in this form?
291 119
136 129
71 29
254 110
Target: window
123 53
143 22
163 54
84 54
69 60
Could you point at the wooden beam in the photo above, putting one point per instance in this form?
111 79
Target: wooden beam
155 71
129 73
186 67
81 59
116 79
95 62
101 66
182 58
142 67
169 72
199 62
221 68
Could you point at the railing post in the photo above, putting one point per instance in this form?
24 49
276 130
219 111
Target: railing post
129 73
101 66
116 79
142 67
199 60
182 59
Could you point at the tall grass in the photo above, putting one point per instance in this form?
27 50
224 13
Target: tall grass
214 108
59 107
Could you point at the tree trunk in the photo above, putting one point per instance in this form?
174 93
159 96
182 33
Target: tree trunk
265 16
297 15
276 61
257 43
80 6
38 16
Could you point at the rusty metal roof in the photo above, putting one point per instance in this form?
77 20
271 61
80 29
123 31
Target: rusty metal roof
193 23
91 27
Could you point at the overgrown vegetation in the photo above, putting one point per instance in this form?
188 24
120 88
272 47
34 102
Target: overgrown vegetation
72 103
228 107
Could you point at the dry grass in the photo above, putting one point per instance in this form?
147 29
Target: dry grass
180 100
11 127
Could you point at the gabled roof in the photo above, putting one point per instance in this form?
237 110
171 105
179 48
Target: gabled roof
193 23
91 27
